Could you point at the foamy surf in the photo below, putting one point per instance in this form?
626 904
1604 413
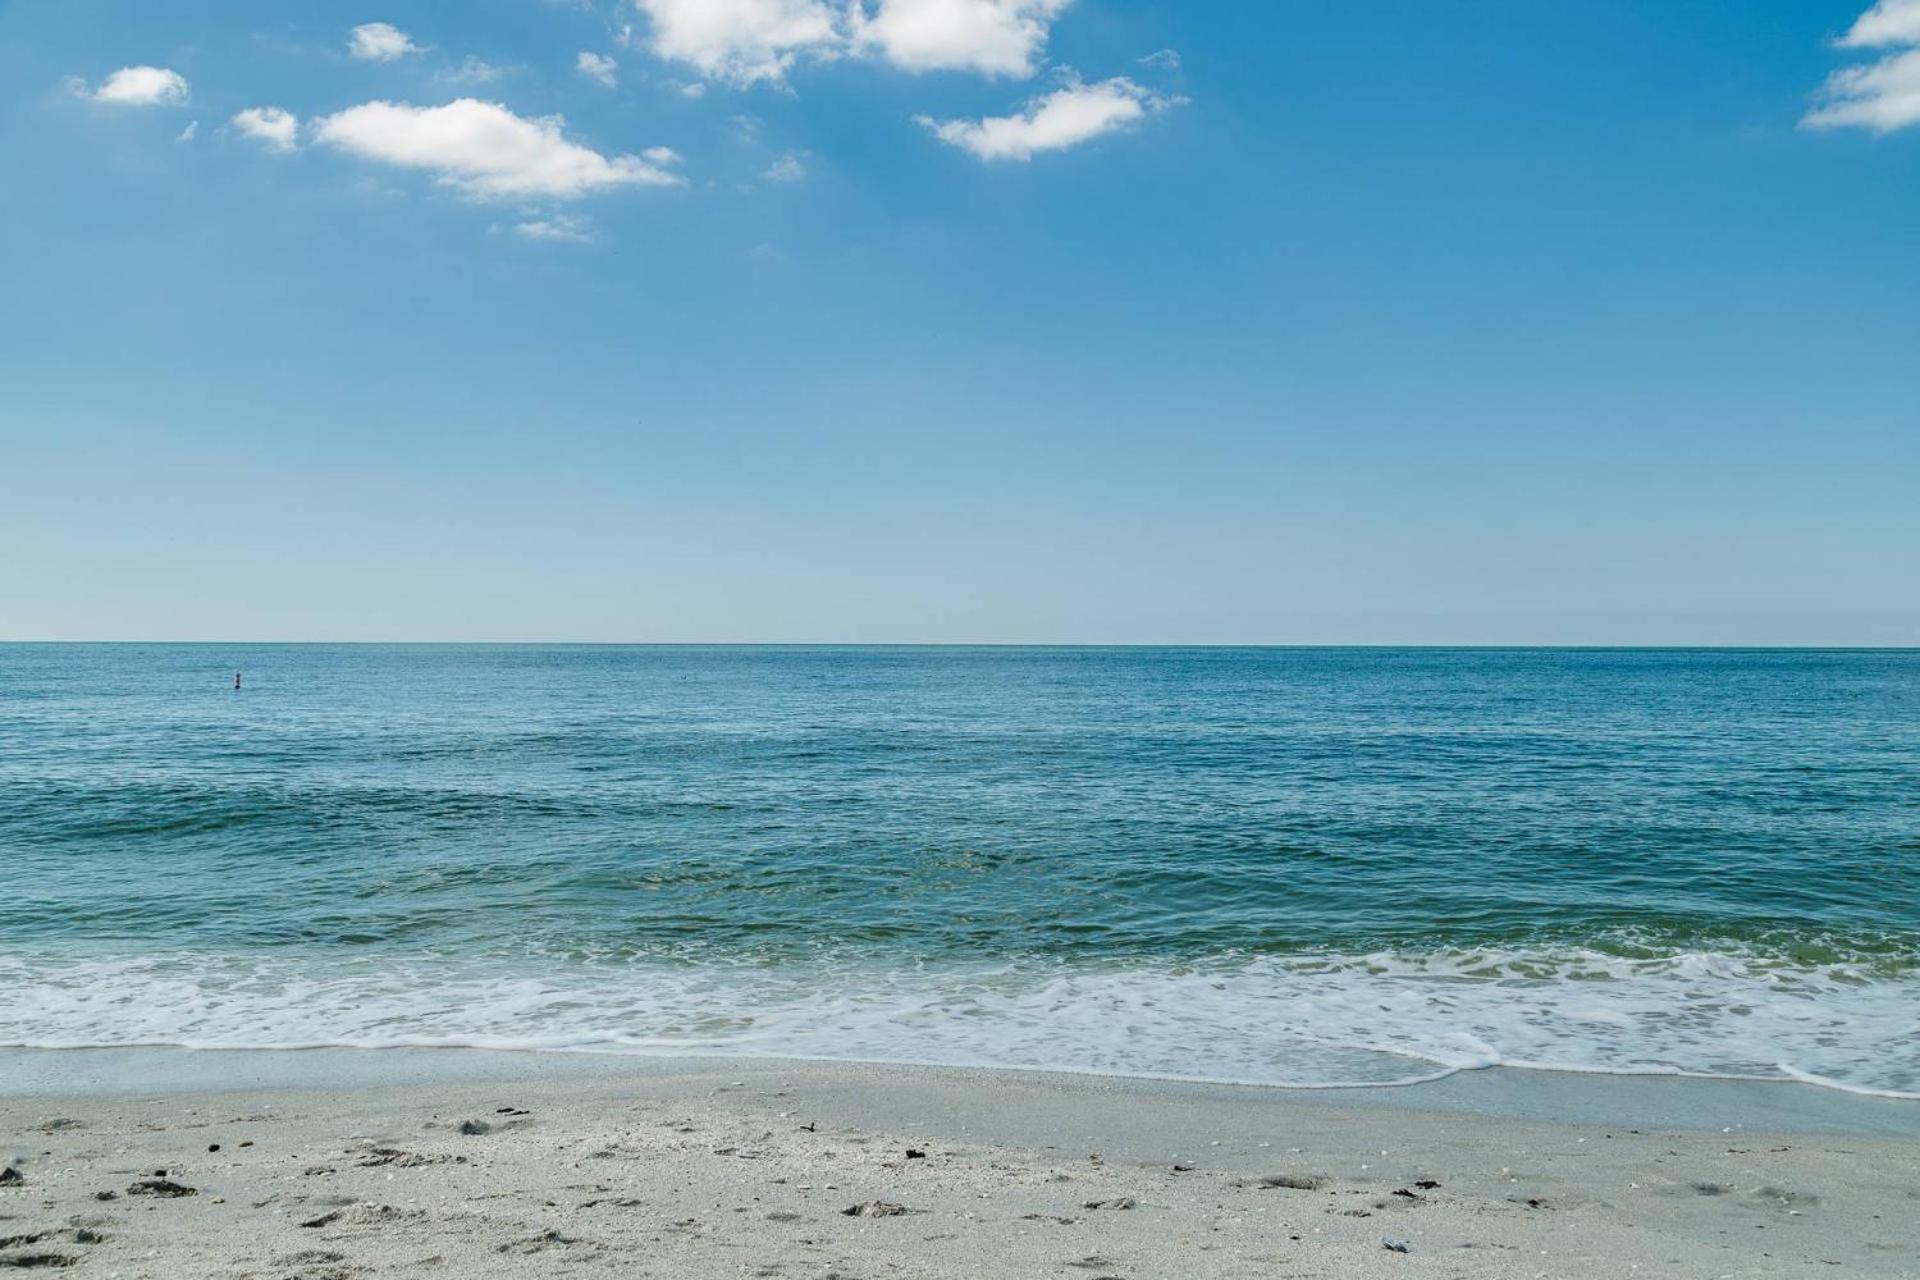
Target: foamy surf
1302 1021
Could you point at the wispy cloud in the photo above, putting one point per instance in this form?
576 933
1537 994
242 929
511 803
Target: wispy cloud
790 167
1054 122
271 127
471 71
598 67
1882 96
486 151
143 87
380 42
559 229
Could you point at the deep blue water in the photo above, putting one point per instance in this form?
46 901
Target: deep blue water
1262 864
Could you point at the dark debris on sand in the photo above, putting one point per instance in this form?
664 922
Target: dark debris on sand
164 1187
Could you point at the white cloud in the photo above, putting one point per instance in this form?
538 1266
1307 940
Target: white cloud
597 66
559 229
380 42
1164 59
1062 119
143 87
742 41
993 37
1884 95
273 128
748 41
485 150
1888 22
189 133
790 167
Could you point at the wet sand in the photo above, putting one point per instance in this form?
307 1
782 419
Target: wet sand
336 1166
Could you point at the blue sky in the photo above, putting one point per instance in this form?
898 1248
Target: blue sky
961 320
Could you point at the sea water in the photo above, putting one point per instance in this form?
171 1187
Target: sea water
1283 866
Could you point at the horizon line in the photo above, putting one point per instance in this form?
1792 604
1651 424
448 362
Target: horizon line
996 644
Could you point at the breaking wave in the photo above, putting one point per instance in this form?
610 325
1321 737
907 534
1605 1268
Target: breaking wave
1321 1020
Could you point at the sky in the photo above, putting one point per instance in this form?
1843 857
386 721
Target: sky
1023 321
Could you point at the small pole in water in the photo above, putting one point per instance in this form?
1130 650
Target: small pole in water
236 682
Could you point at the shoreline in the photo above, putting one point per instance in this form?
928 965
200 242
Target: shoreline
341 1164
1551 1095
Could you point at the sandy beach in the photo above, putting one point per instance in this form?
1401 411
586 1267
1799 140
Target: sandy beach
339 1165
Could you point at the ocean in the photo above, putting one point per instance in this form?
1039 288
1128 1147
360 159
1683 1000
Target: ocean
1296 867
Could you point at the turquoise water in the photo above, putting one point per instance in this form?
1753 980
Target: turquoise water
1286 866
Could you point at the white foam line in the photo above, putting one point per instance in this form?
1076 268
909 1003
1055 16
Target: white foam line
1788 1074
1807 1077
482 1045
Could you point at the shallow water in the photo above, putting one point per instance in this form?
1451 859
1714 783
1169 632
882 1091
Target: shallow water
1283 866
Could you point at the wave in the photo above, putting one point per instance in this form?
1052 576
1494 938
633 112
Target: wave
1295 1021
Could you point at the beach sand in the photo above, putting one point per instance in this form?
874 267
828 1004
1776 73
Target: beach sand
333 1166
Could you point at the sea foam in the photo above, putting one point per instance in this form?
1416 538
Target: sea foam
1293 1021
